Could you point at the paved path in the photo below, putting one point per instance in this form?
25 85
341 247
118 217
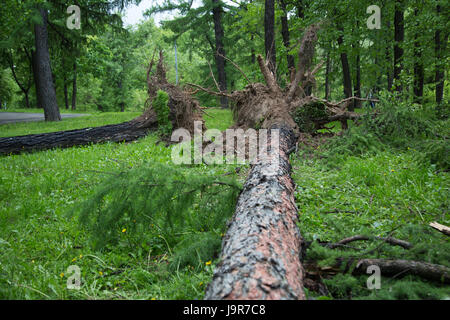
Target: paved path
11 117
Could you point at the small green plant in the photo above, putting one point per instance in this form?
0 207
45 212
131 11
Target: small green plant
160 104
158 197
304 115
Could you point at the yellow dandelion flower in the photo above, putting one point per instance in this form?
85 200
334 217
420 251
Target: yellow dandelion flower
81 256
200 284
32 261
124 230
208 263
153 298
100 273
74 259
61 274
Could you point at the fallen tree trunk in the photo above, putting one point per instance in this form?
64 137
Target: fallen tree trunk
183 112
260 256
261 250
122 132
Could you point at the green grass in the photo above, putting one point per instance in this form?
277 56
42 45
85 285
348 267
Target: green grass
95 120
390 193
38 242
371 195
217 118
37 110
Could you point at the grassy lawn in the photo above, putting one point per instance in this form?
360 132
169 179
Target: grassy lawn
95 120
38 241
372 195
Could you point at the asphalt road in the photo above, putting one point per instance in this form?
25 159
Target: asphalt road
11 117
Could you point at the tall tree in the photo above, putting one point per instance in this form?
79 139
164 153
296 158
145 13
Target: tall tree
285 35
440 46
269 34
399 35
45 88
220 50
418 63
347 78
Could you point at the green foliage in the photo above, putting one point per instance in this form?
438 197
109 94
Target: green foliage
303 116
38 242
399 124
385 193
161 106
195 249
158 195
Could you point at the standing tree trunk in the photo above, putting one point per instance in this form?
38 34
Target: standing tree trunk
399 35
347 78
220 51
74 87
418 65
66 94
327 76
285 36
439 70
45 89
269 34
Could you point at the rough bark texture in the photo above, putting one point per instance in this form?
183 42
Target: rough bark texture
261 250
43 72
260 256
127 131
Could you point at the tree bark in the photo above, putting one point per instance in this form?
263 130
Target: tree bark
269 34
127 131
439 70
418 65
285 36
74 87
357 87
66 94
327 76
261 250
45 88
220 51
347 79
399 35
260 256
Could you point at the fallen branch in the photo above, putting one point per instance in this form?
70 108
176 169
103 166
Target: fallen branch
394 268
222 94
390 240
440 227
236 66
